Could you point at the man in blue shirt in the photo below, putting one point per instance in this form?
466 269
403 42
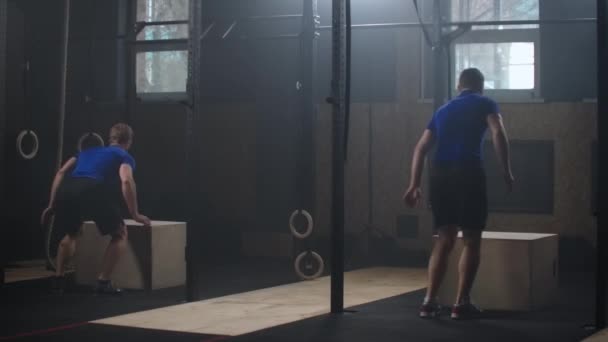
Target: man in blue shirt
91 191
458 185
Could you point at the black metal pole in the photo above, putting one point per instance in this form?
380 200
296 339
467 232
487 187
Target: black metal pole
439 72
192 151
348 46
602 125
308 56
338 95
130 55
63 84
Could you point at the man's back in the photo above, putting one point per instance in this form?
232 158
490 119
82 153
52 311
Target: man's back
102 163
459 127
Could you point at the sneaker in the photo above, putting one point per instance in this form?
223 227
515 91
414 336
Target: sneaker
465 311
106 288
58 285
430 310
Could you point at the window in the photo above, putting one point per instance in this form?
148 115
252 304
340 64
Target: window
505 65
162 72
161 57
508 55
495 10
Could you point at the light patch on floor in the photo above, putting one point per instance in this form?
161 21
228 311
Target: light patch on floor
26 270
601 336
256 310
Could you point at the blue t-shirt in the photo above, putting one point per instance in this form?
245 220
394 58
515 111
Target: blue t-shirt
102 163
459 128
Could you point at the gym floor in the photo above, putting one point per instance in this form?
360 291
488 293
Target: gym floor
30 313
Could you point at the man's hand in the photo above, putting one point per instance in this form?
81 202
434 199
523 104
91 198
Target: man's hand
509 180
142 219
412 196
45 214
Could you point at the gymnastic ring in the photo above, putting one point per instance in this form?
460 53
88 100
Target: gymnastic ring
86 135
20 138
309 224
301 274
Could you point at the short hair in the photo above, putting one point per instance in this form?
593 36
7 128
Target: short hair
472 78
121 133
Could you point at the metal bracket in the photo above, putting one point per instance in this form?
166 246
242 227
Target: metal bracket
451 36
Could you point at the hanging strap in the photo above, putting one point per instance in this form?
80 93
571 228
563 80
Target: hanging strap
427 36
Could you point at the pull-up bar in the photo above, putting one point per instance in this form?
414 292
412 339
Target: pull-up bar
472 23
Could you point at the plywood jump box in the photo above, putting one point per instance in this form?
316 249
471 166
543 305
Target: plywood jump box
155 257
518 271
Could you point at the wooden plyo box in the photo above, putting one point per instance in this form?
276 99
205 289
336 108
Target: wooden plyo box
518 271
155 257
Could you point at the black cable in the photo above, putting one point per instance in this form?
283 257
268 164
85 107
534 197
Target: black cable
88 100
27 107
347 77
424 30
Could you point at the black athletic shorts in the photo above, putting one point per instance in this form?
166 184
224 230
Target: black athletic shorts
459 196
83 199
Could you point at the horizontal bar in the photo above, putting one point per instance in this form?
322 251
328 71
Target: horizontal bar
273 17
238 38
162 23
473 23
522 22
160 45
383 25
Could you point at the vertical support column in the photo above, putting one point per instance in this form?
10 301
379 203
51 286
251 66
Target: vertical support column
192 148
130 55
339 123
3 36
602 201
308 64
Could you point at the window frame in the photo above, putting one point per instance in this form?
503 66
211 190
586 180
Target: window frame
159 45
527 35
504 34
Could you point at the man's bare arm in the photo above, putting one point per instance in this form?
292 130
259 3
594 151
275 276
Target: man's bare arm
422 148
129 189
59 178
129 192
501 146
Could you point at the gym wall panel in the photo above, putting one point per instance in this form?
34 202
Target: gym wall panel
159 149
95 70
568 52
373 66
533 162
227 199
34 34
100 19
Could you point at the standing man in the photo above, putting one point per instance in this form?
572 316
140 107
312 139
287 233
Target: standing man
91 191
458 185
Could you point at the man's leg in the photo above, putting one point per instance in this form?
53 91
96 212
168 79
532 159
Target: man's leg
468 265
66 250
438 262
114 251
467 268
